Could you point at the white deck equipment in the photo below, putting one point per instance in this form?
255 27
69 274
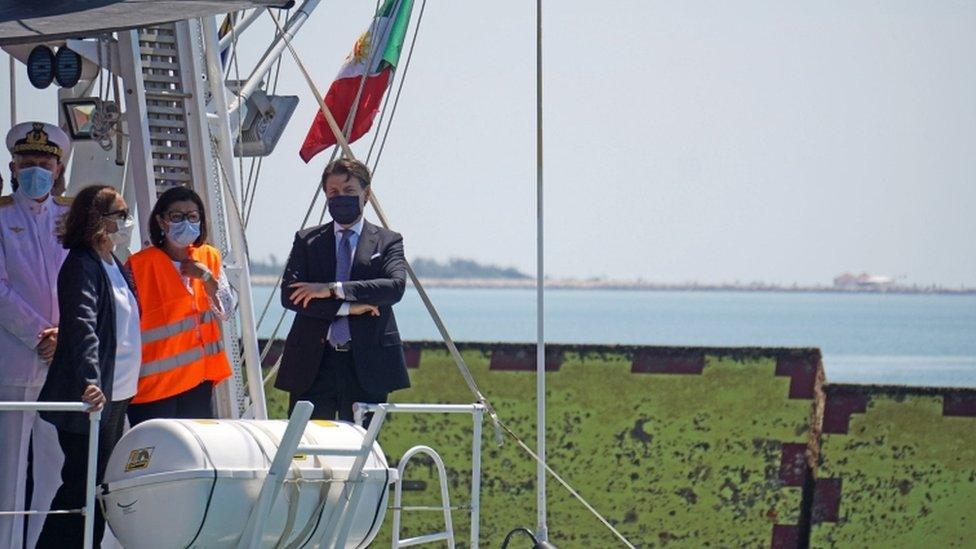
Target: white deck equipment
183 483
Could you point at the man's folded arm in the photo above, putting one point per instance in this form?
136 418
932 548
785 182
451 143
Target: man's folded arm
385 290
296 270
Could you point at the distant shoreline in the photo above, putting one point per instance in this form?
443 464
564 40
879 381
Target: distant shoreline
573 284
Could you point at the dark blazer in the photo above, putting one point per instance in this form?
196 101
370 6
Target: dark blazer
378 277
85 353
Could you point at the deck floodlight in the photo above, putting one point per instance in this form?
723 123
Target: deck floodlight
265 121
67 67
40 67
80 115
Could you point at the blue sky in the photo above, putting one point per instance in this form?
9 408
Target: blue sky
708 141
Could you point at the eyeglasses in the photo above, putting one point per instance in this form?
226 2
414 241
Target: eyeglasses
178 217
123 215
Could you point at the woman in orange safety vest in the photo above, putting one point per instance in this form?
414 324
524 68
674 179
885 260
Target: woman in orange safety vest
183 296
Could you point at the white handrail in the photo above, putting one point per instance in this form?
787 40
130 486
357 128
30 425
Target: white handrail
477 411
448 533
93 420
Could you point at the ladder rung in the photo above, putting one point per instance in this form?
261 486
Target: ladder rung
168 96
162 149
172 176
157 87
326 451
162 65
163 123
168 136
428 508
420 540
150 36
171 163
161 78
154 50
160 109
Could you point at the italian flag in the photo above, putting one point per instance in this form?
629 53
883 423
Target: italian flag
374 55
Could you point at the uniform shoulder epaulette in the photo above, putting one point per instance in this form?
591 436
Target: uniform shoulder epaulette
6 200
64 200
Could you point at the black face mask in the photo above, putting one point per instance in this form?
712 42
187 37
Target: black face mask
345 209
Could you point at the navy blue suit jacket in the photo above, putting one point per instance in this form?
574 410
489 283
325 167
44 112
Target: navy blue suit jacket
378 277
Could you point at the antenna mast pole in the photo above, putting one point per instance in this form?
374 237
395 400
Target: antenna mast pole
542 529
13 91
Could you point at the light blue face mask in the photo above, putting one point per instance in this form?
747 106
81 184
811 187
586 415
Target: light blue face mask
183 233
35 182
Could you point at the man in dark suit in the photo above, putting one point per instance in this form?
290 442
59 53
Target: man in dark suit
342 279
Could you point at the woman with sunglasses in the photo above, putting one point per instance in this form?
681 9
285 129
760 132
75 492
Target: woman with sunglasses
97 357
183 296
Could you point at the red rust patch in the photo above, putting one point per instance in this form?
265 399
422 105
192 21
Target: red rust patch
412 356
826 500
785 536
793 464
654 361
522 358
802 372
839 407
959 404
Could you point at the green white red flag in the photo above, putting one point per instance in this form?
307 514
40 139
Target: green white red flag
375 55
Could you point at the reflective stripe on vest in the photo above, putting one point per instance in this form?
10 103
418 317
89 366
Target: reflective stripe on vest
169 330
183 359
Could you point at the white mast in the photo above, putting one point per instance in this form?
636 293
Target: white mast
542 529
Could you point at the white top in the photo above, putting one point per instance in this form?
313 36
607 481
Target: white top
30 258
225 302
128 341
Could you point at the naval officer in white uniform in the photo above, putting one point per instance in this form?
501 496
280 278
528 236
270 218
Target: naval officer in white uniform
30 258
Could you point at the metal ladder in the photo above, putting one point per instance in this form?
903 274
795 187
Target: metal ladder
448 533
166 109
166 71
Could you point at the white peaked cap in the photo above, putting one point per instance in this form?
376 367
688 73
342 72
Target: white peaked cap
38 137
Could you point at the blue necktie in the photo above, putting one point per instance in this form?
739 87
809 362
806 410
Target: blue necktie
339 334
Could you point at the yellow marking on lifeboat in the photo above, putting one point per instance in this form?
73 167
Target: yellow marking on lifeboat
139 459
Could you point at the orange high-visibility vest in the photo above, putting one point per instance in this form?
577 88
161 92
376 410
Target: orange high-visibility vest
181 337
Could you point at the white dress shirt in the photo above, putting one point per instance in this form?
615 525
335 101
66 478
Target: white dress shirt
357 230
30 258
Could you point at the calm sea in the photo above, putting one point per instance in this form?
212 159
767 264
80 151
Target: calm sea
865 338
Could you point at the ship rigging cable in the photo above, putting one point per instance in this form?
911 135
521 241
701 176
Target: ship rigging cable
244 210
452 348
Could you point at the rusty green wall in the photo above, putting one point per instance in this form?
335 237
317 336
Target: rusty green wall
898 468
675 446
696 447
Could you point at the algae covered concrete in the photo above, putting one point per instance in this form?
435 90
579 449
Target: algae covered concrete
898 468
677 447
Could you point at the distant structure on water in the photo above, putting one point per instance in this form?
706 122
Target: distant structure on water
863 281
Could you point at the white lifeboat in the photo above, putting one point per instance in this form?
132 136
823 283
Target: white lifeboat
193 483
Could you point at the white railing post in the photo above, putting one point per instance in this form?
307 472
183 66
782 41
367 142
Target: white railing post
93 421
478 419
